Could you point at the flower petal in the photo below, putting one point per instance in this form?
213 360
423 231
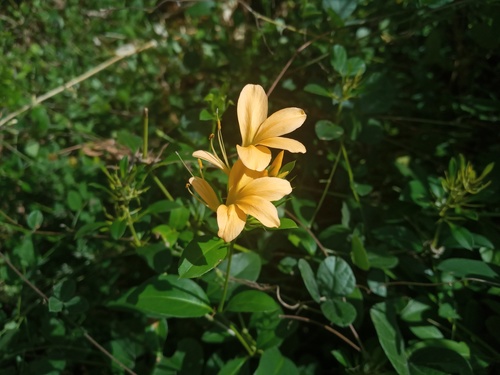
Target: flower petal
206 192
212 159
281 122
252 111
268 188
261 209
284 143
275 166
256 158
231 221
241 176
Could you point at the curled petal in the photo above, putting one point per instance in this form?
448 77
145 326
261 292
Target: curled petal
212 159
231 221
252 111
284 143
254 157
261 209
281 122
206 192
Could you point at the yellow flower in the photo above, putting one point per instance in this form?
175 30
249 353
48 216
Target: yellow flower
249 193
259 132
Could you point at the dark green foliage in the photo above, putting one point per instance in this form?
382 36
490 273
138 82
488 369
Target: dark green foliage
386 260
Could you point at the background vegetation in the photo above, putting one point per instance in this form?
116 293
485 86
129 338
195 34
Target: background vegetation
390 263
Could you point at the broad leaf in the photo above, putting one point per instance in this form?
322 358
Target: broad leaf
335 277
272 362
202 255
168 296
339 312
251 301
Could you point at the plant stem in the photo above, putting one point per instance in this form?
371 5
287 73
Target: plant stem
163 189
130 223
327 187
349 172
145 134
226 281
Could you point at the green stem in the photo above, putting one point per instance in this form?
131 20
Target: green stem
242 340
163 189
327 187
145 134
226 281
349 172
130 224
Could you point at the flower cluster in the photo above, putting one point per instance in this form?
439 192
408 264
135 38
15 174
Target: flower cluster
254 182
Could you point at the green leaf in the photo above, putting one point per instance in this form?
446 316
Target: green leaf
55 305
74 200
206 116
26 252
339 60
160 207
251 301
432 359
32 148
462 236
384 320
90 228
272 362
354 67
343 8
460 267
65 289
168 296
201 255
309 280
233 366
76 305
340 313
168 235
335 277
358 253
35 219
327 130
157 256
118 228
286 223
317 89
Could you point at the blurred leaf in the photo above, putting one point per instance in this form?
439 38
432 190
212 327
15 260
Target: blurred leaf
157 256
251 301
233 366
342 7
26 251
201 255
460 267
55 305
339 61
317 89
354 67
118 228
35 219
272 362
358 253
462 236
339 312
64 290
327 130
432 359
74 200
76 305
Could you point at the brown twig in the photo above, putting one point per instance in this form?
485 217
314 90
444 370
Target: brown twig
328 328
309 231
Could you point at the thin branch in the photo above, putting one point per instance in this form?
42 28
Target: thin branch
309 231
120 55
328 328
85 334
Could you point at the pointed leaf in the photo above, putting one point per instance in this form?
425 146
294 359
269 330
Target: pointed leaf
272 362
202 255
309 280
358 253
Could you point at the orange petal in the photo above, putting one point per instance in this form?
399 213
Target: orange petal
281 122
231 221
262 210
206 192
254 157
284 143
268 188
275 166
252 111
212 159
